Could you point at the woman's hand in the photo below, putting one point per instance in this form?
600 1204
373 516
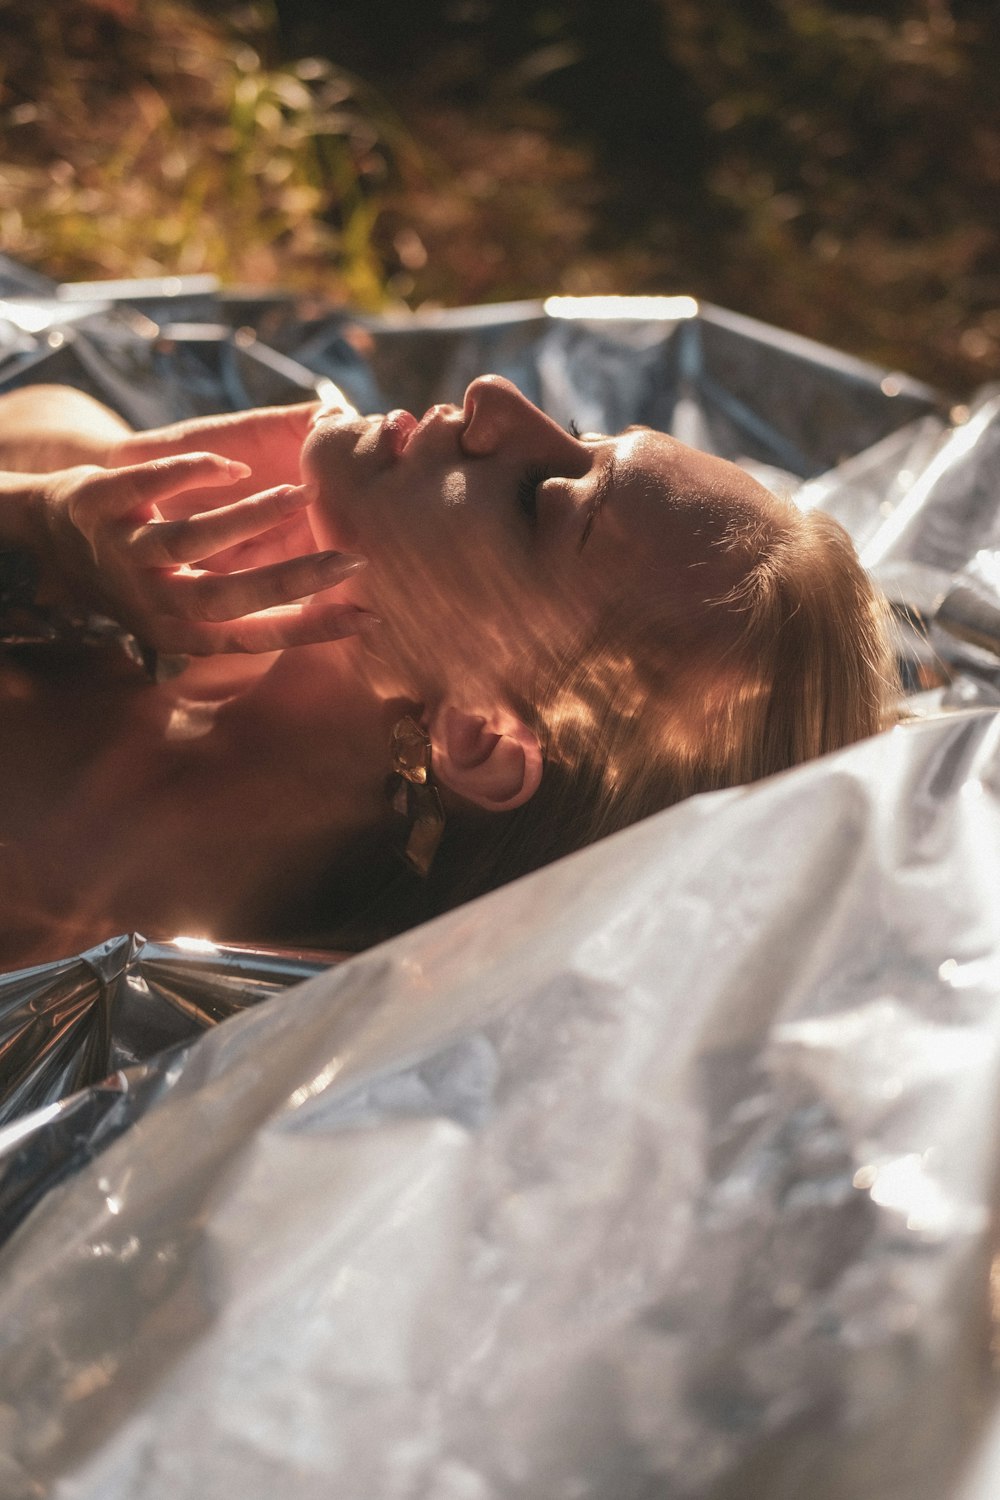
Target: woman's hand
268 441
124 541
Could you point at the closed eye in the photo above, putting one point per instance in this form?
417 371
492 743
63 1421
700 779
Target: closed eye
527 491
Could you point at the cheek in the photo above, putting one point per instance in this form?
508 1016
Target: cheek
438 594
452 628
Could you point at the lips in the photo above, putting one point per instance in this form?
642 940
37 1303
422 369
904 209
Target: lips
397 430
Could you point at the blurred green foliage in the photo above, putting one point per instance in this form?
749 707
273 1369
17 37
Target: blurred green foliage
829 165
143 138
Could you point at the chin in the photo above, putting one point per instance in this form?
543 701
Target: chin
330 494
330 512
323 524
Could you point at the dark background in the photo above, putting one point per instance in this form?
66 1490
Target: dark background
830 167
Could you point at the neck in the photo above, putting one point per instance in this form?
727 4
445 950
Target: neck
193 807
314 735
323 727
292 767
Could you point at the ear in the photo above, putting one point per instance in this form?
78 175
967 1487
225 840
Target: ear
492 759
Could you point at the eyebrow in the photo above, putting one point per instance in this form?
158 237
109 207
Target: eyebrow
602 489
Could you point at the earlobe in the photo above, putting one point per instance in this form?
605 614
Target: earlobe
492 759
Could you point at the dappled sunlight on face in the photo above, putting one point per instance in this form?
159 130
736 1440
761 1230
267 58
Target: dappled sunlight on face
497 542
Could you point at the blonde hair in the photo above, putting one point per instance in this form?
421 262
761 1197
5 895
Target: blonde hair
816 636
792 660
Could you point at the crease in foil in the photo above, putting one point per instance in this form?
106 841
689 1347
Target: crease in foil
87 1042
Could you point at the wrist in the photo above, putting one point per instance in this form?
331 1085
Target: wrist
22 512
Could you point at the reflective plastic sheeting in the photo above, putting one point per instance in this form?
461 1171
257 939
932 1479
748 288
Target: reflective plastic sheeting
159 350
70 1023
87 1042
669 1170
953 501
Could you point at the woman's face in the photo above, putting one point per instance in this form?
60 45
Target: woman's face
490 532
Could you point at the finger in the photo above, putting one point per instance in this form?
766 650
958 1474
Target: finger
159 544
226 432
112 494
271 630
292 537
226 596
198 502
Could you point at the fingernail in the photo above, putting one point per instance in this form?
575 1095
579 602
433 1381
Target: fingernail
237 469
347 562
348 621
365 623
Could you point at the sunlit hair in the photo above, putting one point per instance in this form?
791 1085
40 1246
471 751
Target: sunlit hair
790 660
777 651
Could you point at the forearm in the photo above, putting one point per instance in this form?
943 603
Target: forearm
25 571
21 520
47 427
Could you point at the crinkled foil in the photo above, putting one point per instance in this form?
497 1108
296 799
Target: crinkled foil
87 1042
668 1171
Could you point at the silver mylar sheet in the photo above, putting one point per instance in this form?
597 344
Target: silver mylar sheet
669 1170
87 1042
159 350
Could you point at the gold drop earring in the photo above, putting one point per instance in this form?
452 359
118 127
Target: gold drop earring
414 795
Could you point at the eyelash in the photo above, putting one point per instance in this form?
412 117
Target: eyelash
527 487
527 498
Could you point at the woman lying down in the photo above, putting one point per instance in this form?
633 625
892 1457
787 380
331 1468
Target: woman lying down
468 644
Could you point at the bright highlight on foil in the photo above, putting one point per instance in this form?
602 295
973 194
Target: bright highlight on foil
659 309
195 944
317 1085
906 1186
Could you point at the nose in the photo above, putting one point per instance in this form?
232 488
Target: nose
495 410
